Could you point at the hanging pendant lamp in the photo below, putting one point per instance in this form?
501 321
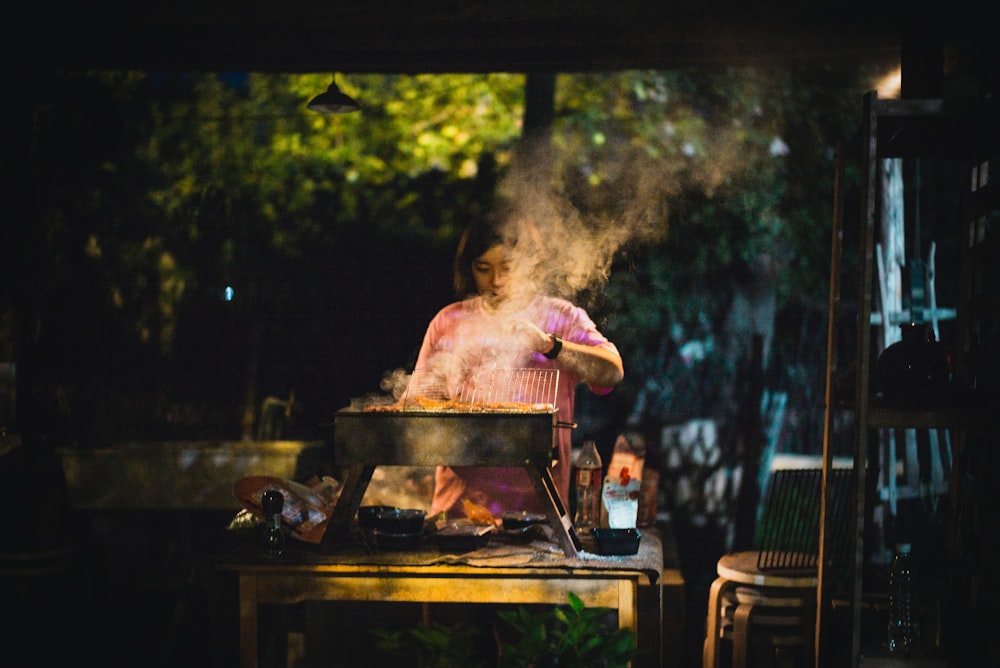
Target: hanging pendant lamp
333 101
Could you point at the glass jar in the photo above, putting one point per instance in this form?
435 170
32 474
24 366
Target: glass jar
915 369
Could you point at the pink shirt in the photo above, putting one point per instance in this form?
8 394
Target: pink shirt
464 336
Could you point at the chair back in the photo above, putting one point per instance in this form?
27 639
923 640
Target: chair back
787 534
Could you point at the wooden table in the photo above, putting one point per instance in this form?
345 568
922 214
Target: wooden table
489 575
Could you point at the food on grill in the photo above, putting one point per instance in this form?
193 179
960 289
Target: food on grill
456 406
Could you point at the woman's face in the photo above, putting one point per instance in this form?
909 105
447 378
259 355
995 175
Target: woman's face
489 271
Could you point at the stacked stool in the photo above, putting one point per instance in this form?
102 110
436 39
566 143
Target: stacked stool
762 605
766 619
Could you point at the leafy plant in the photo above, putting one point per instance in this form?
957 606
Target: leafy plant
572 635
431 646
568 635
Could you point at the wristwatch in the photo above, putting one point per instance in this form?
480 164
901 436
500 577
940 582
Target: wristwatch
553 352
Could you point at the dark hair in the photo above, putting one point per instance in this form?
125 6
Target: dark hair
481 235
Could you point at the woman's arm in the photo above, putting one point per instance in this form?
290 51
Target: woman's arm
600 366
597 365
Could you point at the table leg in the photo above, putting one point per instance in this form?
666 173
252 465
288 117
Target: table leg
628 605
248 619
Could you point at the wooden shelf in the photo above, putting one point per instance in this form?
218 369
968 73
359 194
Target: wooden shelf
885 417
962 133
882 659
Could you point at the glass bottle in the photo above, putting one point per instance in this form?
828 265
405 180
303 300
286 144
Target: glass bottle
274 540
904 609
588 469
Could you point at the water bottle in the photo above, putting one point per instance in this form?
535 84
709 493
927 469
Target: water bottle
274 539
904 611
588 488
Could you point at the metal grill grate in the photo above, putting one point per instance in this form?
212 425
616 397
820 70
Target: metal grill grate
486 387
788 533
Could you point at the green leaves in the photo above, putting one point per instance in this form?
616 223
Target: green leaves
431 646
570 635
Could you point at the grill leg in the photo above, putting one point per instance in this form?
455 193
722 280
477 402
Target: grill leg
559 519
347 505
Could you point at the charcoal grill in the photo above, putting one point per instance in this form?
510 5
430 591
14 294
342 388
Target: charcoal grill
501 417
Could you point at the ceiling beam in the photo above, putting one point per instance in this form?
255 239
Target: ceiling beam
445 36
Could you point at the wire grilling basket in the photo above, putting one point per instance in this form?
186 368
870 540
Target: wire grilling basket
484 390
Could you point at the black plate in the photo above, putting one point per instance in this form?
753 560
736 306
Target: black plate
462 538
367 515
521 519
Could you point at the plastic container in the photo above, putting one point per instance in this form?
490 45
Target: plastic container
400 520
617 541
397 542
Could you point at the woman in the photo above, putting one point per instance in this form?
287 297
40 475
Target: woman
498 325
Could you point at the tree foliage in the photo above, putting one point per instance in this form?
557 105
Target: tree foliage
153 193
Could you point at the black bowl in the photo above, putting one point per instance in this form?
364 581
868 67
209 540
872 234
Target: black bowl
521 519
397 542
617 541
458 538
400 520
367 515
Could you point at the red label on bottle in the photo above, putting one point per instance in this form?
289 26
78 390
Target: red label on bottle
588 477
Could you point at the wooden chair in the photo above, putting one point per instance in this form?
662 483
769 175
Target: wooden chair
765 599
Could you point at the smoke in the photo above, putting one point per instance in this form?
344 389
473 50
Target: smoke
567 241
563 250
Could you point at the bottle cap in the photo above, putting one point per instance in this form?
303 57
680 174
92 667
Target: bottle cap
273 501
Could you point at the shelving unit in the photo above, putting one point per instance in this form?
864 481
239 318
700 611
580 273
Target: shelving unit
963 133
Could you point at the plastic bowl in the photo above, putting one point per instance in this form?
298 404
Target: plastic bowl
400 520
368 514
397 542
617 541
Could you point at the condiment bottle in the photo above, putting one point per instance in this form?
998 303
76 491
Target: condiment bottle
588 488
903 635
274 540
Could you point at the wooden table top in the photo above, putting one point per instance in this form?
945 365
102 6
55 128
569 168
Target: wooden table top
538 554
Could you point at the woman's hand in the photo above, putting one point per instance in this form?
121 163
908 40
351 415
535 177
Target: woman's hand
536 339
